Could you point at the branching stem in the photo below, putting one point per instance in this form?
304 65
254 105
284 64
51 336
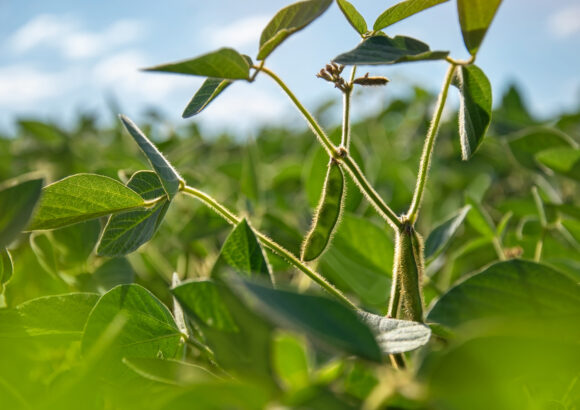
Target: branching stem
266 241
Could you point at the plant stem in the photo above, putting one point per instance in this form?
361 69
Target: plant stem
543 223
345 139
275 247
322 137
341 156
428 147
369 192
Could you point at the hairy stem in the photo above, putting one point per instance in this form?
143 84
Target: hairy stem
266 241
428 147
345 139
344 160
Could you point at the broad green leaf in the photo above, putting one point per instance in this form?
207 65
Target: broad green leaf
59 315
475 16
525 145
16 205
116 271
126 232
403 10
442 234
169 371
73 245
515 288
239 339
353 16
6 268
149 332
474 108
360 260
287 21
383 50
167 174
292 361
203 300
243 253
565 161
326 321
396 336
82 197
480 220
43 248
210 89
223 63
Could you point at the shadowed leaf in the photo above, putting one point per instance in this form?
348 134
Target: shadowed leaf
16 205
442 234
210 89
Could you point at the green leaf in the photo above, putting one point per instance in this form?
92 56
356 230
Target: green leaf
59 315
403 10
442 234
223 63
167 174
169 371
74 244
360 260
480 220
202 299
565 161
326 321
287 21
6 268
353 16
515 288
291 360
383 50
126 232
16 205
210 89
243 252
525 145
475 16
44 250
397 336
474 108
82 197
116 271
149 331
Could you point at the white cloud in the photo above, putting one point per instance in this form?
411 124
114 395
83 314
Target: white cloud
24 86
237 34
65 34
565 22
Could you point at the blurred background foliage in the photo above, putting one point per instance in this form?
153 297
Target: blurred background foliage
275 179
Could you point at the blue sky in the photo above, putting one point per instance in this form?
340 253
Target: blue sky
60 57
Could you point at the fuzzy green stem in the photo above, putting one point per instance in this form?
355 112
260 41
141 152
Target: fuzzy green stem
318 131
428 147
365 187
369 192
266 241
345 139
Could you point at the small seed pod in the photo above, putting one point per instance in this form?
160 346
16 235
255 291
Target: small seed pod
408 272
327 214
371 81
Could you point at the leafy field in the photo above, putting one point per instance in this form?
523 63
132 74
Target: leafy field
135 279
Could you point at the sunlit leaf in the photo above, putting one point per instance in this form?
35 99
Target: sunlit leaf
403 10
6 268
126 232
526 144
565 161
475 16
149 331
169 371
82 197
326 321
167 174
442 234
210 89
287 21
383 50
16 205
515 288
397 336
474 109
223 63
291 360
353 16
